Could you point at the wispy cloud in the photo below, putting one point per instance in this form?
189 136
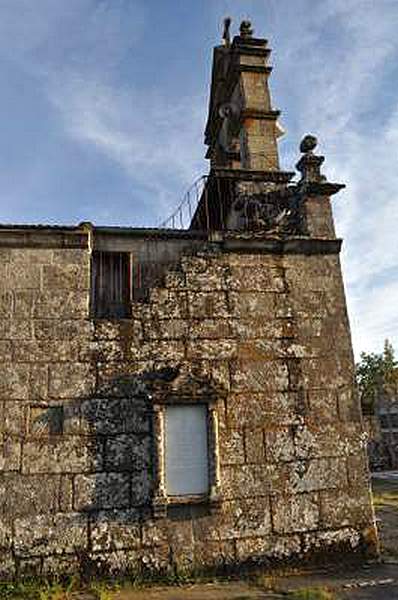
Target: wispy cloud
156 139
91 71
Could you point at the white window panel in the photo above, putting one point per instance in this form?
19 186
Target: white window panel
186 452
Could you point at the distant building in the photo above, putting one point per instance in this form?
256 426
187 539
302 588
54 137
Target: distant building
181 399
383 436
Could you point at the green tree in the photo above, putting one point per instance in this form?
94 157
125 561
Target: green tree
377 377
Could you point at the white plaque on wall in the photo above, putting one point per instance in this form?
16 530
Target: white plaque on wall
186 453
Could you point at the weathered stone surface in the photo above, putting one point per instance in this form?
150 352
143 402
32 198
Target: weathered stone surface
38 381
12 418
259 376
260 549
259 409
168 329
30 256
211 349
50 534
6 304
101 490
210 329
252 305
208 305
36 494
115 530
256 279
289 439
14 381
313 475
291 514
168 303
351 507
61 304
127 453
218 553
251 481
71 380
23 276
7 565
106 416
5 535
71 256
321 541
68 329
66 276
61 455
232 443
238 519
254 446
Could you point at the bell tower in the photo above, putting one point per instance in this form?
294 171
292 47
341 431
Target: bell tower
242 128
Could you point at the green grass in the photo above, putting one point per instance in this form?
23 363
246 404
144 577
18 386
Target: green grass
32 589
311 594
385 493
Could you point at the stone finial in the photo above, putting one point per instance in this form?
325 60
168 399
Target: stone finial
226 36
309 164
246 30
308 144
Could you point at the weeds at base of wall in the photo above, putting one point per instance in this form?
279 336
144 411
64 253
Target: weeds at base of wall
67 588
311 594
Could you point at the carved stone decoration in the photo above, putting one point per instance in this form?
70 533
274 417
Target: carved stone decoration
246 30
308 144
278 212
226 36
309 164
228 136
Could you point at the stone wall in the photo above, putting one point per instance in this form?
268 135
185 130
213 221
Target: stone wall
269 333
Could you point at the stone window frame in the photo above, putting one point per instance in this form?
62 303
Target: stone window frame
161 500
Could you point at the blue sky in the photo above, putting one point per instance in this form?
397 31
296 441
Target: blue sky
104 102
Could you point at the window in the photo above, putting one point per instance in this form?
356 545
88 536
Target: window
186 450
111 285
186 460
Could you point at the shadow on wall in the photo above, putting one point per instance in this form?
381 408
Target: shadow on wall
111 456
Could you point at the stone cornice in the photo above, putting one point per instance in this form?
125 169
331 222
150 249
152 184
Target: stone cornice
324 188
247 244
247 175
41 236
267 115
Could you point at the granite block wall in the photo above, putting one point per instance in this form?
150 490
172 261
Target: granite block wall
268 334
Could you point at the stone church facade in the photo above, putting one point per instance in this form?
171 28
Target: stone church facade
201 414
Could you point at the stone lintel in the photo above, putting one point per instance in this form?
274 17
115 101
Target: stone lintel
22 236
305 246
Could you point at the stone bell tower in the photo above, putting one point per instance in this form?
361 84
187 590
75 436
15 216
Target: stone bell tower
242 129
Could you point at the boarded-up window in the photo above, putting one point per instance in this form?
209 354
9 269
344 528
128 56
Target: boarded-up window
186 452
111 285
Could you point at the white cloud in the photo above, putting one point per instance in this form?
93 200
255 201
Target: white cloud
156 139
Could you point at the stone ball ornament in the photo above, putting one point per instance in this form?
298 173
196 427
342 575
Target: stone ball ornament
308 144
